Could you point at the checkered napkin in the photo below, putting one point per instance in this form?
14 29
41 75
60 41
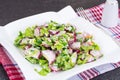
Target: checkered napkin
94 14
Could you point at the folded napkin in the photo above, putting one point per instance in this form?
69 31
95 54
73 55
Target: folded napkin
14 72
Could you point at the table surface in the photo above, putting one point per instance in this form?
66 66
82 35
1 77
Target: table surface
11 10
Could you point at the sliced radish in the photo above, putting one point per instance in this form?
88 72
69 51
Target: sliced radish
77 51
57 52
27 47
49 55
54 68
75 37
80 36
75 45
90 58
71 41
45 44
96 54
37 31
70 51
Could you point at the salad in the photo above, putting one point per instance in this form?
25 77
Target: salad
57 47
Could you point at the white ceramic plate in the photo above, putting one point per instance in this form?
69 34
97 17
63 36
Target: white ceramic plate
108 47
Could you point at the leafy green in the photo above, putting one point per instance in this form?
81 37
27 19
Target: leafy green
32 60
96 47
70 28
44 71
29 32
45 67
44 31
54 38
18 39
47 41
87 48
79 62
67 65
61 27
38 41
52 25
64 61
42 62
81 59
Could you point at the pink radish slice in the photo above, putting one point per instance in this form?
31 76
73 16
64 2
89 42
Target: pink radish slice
71 41
27 46
75 45
45 45
90 58
96 54
80 36
77 51
75 37
49 55
57 52
54 68
70 51
37 31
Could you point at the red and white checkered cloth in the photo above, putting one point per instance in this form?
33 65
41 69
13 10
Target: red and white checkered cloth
94 14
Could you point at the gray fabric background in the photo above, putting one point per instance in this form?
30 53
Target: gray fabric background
11 10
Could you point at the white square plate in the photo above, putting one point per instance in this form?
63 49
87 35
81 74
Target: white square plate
10 31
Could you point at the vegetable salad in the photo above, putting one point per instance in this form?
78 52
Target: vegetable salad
57 47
